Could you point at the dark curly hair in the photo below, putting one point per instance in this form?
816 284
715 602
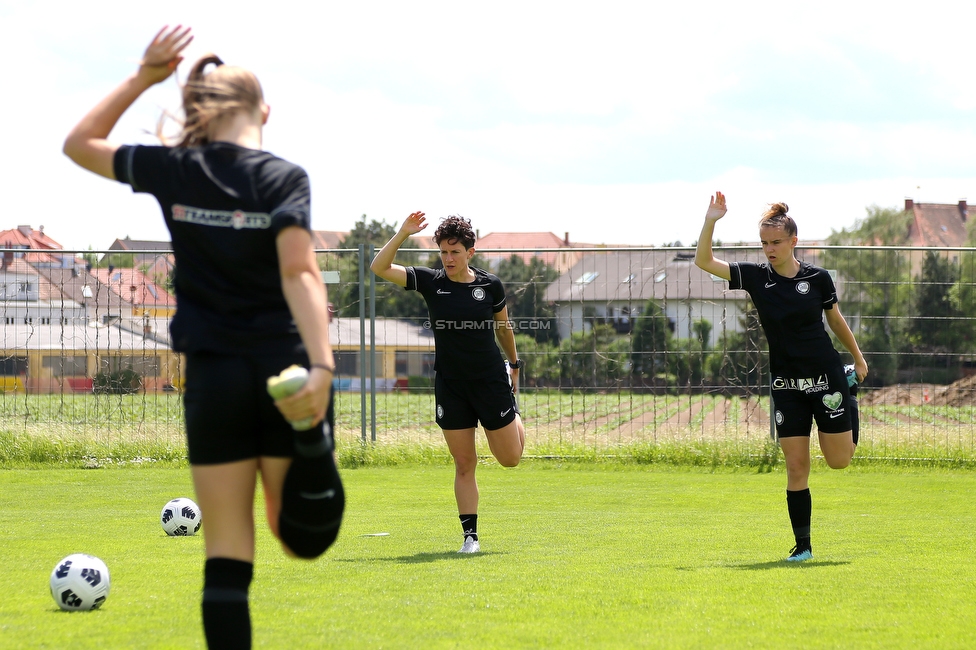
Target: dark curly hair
455 229
775 216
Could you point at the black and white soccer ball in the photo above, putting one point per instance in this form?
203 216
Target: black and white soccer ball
181 517
80 582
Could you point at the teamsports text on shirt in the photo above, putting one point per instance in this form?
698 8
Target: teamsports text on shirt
236 219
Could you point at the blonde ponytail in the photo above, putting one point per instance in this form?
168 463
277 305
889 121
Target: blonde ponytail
210 98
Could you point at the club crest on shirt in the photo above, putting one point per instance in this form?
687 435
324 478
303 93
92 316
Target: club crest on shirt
478 293
803 287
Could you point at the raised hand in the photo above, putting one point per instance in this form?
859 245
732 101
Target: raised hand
163 54
414 223
716 207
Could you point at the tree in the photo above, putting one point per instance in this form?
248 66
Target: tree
741 358
541 361
391 301
116 261
877 285
933 325
596 358
525 286
938 330
962 295
687 364
651 340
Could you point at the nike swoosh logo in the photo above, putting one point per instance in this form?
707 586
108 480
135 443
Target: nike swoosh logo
770 284
328 494
443 293
505 412
835 415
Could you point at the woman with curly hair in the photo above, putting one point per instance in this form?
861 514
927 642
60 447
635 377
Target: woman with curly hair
467 314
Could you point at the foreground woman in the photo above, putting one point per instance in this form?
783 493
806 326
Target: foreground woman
250 302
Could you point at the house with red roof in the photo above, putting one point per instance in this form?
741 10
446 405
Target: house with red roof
557 252
42 248
938 224
133 287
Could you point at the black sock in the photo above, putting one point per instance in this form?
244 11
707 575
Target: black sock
469 524
800 505
226 617
312 499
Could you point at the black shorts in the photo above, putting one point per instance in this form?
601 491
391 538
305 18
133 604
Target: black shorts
797 401
462 403
229 414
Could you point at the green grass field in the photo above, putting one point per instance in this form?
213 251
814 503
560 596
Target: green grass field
613 555
96 430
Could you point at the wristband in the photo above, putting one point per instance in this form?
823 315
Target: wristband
322 366
518 364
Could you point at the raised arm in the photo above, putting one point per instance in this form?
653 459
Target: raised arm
382 265
88 144
838 325
704 259
307 299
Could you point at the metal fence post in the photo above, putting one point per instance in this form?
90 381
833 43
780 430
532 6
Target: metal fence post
372 346
362 339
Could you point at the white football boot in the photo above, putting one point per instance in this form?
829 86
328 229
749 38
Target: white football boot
471 545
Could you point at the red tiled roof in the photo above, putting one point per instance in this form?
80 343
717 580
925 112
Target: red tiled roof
938 224
561 257
25 236
521 240
332 239
128 244
134 286
328 239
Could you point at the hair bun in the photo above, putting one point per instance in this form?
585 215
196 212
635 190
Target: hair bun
776 210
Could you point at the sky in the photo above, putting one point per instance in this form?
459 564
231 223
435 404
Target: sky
612 121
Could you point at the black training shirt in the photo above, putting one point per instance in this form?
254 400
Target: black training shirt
791 313
462 319
224 206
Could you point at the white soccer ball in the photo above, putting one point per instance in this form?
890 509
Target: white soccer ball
181 517
80 582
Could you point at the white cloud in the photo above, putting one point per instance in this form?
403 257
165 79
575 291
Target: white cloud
613 121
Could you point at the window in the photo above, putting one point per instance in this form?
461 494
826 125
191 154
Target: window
66 366
587 277
144 366
410 363
13 366
347 363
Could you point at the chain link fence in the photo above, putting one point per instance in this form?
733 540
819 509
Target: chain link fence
623 347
